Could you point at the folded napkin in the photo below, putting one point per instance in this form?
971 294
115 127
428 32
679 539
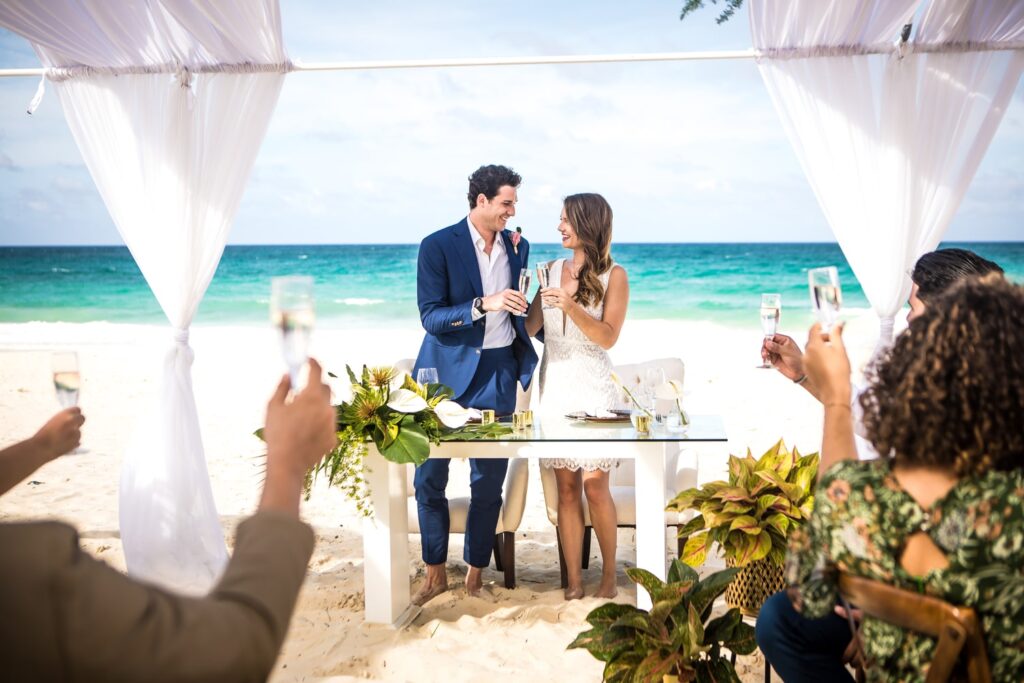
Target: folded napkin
600 413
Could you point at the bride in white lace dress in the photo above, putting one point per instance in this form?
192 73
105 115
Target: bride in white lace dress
586 305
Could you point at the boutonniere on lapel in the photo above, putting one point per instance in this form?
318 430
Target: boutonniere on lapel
514 237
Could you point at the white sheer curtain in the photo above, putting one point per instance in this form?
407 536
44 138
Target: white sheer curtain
889 143
169 115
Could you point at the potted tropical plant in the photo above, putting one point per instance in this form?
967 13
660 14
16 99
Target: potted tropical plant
750 517
677 640
401 422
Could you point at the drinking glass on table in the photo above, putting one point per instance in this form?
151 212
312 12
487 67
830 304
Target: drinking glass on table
826 297
425 376
524 286
771 308
291 312
544 279
65 377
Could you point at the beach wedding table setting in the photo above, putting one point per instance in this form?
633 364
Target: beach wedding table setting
385 533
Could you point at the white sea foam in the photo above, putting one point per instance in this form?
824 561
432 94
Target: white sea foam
358 301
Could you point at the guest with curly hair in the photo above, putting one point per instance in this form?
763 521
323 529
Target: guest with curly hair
943 511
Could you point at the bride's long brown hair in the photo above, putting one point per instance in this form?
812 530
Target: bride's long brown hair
591 217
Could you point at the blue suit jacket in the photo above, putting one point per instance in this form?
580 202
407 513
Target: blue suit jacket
447 281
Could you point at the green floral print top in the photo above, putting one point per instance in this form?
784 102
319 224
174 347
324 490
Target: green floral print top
861 520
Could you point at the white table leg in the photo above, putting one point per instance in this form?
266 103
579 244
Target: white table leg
386 545
650 515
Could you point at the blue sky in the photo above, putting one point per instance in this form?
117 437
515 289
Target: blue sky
684 152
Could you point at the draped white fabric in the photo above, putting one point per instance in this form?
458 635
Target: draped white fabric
171 153
889 143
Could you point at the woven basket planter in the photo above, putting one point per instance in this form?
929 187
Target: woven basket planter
754 584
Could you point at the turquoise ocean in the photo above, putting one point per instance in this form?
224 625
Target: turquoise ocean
375 285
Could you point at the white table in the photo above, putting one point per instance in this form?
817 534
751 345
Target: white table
386 534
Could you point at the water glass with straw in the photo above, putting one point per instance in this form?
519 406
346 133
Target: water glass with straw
291 312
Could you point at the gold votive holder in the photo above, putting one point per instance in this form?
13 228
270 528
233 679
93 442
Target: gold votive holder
529 417
519 421
642 423
486 417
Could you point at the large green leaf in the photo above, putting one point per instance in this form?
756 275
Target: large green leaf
751 549
743 641
735 493
778 521
665 599
680 571
608 613
642 621
707 591
411 444
721 627
695 552
621 669
649 581
684 500
590 640
616 641
746 524
718 670
655 667
694 525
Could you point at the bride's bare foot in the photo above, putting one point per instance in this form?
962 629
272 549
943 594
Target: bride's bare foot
474 581
574 592
435 584
607 589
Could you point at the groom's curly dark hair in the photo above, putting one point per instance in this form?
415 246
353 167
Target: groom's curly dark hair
487 180
950 392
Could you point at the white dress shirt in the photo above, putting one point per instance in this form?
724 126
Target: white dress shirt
495 276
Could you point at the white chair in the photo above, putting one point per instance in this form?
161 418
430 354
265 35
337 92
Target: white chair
513 499
622 477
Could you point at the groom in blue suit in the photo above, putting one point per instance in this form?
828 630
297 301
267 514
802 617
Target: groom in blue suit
466 286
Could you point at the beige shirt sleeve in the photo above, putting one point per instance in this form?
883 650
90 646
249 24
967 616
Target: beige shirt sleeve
86 621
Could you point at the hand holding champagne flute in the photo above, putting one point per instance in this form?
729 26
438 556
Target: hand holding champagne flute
291 312
65 377
524 287
544 279
771 309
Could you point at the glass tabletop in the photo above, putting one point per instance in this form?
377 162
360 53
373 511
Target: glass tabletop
701 428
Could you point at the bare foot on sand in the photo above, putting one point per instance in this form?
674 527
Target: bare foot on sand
607 589
574 592
474 581
435 584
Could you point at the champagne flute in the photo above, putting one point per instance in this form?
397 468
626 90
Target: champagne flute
65 377
544 279
524 286
826 297
291 312
425 376
771 309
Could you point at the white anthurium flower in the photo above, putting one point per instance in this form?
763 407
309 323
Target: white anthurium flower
670 390
405 401
451 414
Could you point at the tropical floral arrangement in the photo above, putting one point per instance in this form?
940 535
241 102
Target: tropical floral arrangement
401 422
677 639
750 515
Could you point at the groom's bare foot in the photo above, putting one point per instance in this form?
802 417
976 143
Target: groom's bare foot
435 584
474 581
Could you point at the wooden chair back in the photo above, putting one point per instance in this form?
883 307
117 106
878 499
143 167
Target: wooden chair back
956 628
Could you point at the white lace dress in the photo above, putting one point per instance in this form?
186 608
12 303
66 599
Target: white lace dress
575 374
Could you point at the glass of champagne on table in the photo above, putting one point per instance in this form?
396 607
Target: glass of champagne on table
291 312
65 377
524 286
826 297
771 309
544 278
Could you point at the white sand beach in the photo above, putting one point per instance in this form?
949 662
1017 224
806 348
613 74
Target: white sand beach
506 635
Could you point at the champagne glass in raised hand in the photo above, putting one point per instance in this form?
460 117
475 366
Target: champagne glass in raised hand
291 312
65 377
524 287
826 297
544 278
771 308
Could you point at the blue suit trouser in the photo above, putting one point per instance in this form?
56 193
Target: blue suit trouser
802 650
494 387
